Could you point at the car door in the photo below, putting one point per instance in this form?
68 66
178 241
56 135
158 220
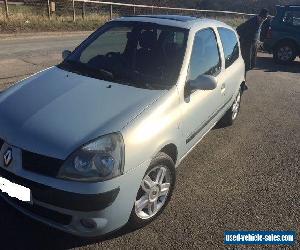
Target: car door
233 63
200 107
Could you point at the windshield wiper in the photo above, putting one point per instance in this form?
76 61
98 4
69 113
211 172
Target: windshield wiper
135 79
82 69
106 75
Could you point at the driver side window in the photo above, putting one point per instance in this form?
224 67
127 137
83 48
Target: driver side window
292 17
205 58
114 40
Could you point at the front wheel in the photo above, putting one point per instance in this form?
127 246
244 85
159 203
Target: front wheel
155 191
232 113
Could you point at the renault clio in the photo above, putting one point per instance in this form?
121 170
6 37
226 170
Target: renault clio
92 144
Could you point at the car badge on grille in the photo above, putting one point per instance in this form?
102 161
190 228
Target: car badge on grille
7 157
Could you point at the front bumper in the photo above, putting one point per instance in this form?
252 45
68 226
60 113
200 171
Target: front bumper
64 199
99 209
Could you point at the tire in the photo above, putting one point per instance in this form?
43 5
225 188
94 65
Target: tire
284 52
140 218
232 113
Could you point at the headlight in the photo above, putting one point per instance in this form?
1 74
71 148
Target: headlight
100 160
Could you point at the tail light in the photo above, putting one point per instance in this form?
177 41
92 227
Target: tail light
269 33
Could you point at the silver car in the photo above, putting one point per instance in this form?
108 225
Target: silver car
92 143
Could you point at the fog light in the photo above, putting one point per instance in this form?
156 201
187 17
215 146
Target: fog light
88 223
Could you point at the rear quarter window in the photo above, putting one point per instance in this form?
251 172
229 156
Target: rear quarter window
230 46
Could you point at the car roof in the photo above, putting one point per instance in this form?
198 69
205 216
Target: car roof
171 17
186 22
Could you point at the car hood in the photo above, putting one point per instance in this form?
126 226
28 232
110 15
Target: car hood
54 112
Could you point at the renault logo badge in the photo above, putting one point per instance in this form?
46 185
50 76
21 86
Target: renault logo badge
8 157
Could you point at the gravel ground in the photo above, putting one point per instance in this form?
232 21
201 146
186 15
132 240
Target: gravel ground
244 177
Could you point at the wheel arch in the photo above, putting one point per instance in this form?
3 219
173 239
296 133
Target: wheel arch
243 87
287 40
171 150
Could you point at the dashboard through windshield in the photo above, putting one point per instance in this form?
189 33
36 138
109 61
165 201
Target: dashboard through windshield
140 54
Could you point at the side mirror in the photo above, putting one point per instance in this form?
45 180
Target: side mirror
65 54
203 82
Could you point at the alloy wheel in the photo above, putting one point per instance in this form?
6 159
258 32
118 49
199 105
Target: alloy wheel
285 53
236 106
153 192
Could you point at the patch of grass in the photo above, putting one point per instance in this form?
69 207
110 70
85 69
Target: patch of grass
44 24
35 18
28 19
234 22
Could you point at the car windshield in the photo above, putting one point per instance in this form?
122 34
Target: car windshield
140 54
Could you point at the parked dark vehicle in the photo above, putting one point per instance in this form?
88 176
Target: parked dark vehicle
283 36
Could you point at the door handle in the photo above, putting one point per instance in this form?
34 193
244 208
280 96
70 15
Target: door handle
223 87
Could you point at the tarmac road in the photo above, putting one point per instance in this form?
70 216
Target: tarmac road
244 177
25 54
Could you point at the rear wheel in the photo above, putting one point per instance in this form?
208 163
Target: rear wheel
155 191
284 52
232 113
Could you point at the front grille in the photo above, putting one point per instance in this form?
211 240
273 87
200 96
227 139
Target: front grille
41 164
43 212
